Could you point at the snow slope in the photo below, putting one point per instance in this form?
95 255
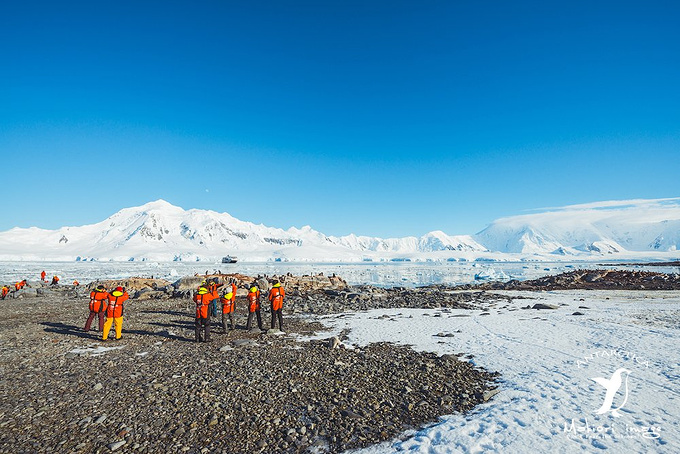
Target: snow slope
599 228
159 231
548 360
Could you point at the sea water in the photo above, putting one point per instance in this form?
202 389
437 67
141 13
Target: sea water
388 274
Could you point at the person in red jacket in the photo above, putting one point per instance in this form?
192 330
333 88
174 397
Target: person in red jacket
42 276
114 312
276 295
254 306
55 280
203 298
99 298
228 307
5 291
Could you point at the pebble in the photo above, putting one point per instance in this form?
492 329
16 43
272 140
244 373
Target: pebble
115 445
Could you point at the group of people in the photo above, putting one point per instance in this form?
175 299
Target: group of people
55 279
207 298
19 285
108 307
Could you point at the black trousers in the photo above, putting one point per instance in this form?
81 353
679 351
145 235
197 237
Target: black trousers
277 315
203 324
250 319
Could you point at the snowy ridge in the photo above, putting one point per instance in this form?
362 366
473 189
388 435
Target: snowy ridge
159 231
600 229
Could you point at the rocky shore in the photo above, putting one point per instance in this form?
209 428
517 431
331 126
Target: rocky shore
591 280
156 390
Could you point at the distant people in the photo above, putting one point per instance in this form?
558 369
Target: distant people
19 285
276 295
254 306
76 283
228 307
99 298
55 280
42 276
203 298
114 312
5 291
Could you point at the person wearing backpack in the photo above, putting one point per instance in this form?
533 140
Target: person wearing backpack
276 295
114 312
98 299
203 298
254 306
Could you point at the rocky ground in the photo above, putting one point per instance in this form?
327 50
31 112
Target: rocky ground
63 390
590 279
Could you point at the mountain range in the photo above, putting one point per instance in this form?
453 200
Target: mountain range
159 231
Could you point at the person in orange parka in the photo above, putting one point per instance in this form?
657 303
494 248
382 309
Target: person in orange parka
5 291
99 298
42 276
203 298
228 307
254 306
114 312
276 295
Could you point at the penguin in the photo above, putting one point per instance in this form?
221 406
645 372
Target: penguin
612 386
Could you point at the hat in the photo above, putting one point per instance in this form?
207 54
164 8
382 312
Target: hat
119 289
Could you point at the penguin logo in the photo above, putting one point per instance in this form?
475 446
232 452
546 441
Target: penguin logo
612 386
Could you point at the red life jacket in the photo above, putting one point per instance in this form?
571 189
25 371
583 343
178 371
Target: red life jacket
98 300
116 300
254 301
276 295
202 301
228 304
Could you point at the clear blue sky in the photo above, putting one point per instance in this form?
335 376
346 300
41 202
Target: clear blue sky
380 118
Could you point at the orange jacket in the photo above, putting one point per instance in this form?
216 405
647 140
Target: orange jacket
202 301
116 300
98 300
233 292
276 295
253 299
42 276
228 304
5 291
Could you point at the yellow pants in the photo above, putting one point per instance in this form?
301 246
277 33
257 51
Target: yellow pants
107 327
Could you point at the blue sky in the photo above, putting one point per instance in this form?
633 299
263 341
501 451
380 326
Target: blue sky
380 118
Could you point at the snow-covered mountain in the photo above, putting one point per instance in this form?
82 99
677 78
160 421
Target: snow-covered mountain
601 228
160 231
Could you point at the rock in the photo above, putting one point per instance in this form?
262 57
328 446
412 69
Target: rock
490 393
577 313
334 342
100 420
226 348
98 387
544 306
115 445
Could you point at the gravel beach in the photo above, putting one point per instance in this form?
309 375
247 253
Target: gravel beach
156 390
